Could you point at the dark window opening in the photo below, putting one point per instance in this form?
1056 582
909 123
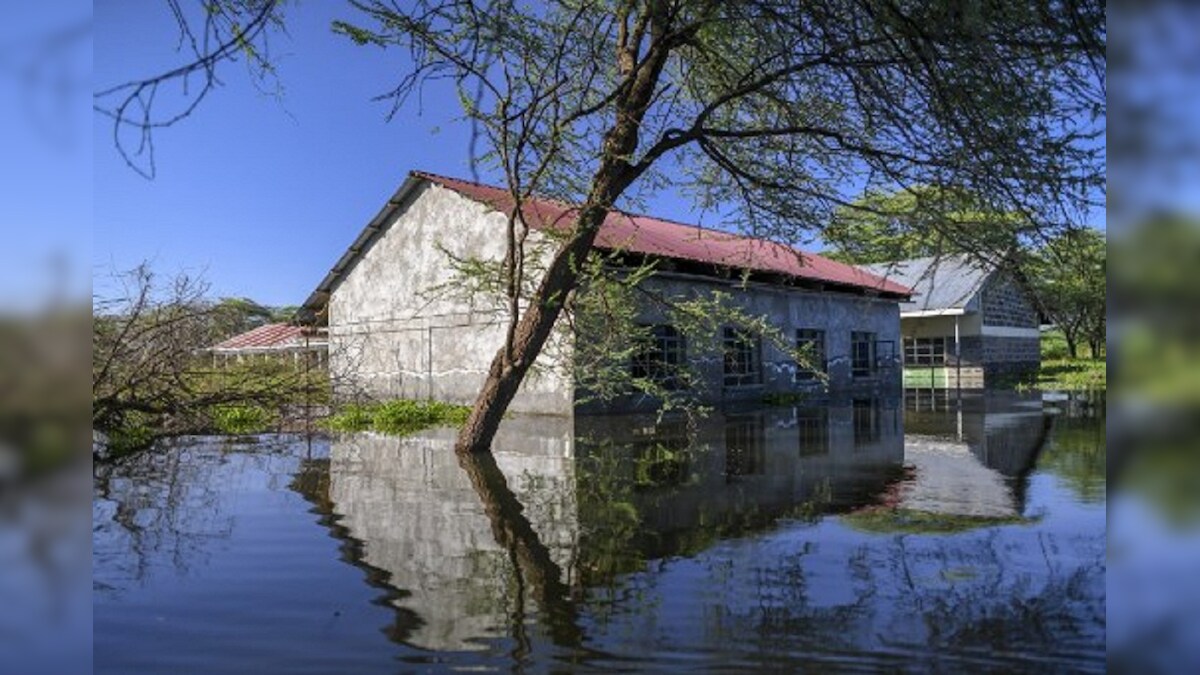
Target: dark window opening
662 359
811 344
743 354
866 422
813 426
744 452
862 354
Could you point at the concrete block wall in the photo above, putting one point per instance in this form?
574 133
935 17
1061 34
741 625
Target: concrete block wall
1004 303
400 325
838 314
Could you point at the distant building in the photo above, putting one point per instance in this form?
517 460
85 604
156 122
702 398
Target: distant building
400 328
275 340
968 325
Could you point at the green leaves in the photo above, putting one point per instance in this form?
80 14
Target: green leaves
916 222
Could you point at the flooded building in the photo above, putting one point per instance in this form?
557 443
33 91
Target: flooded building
279 341
403 324
968 325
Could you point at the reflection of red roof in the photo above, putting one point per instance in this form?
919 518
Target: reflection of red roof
269 336
657 237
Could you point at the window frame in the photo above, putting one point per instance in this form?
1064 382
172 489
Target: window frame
663 358
748 348
927 351
869 339
815 336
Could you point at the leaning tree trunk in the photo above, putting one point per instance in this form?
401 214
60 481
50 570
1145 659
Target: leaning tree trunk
512 362
614 174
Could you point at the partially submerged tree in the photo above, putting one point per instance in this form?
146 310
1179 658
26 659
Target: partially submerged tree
769 109
772 112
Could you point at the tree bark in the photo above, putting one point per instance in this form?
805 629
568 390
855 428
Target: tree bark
614 174
512 362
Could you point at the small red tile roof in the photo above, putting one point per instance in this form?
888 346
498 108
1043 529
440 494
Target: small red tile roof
268 336
658 237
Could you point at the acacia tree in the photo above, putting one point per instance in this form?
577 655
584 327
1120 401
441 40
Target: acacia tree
918 222
769 108
1069 280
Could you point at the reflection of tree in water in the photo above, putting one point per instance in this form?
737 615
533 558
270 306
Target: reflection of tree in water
167 508
534 568
1078 454
467 554
157 507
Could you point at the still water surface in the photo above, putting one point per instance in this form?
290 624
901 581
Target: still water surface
922 534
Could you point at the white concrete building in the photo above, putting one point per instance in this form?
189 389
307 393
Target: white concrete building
401 326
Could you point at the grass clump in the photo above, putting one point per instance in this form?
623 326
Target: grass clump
398 418
239 420
1069 375
884 520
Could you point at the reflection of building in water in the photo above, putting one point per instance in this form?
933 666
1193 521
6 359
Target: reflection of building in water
419 519
415 514
740 471
972 455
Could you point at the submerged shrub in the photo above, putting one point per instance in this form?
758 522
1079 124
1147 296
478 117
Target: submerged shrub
133 433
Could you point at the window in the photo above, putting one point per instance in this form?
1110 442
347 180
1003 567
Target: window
812 345
862 354
743 352
662 358
926 351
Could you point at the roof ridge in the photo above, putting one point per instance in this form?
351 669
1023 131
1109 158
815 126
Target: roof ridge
429 175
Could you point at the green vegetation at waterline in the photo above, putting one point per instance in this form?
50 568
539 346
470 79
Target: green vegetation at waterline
239 420
885 520
399 417
1071 375
154 374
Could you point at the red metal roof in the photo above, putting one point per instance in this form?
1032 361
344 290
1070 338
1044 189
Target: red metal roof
657 237
268 336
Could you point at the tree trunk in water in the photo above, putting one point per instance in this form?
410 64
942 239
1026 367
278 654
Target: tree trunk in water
512 362
532 559
614 174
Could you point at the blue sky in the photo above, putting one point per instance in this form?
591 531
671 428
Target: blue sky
260 195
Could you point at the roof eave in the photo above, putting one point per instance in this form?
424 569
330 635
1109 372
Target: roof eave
319 297
921 313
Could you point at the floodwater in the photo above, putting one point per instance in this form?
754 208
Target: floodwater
929 533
